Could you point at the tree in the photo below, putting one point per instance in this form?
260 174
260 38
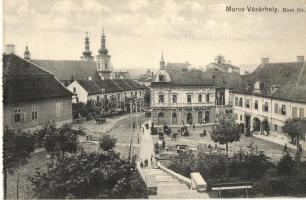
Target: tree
58 141
226 132
17 149
107 142
286 165
89 175
295 128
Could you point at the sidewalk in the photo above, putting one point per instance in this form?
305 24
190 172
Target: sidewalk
279 139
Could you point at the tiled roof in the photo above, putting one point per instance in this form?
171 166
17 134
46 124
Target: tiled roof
191 78
227 80
69 69
90 86
15 66
225 66
110 85
176 67
35 84
287 79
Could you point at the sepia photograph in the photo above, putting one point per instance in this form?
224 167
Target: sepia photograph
153 99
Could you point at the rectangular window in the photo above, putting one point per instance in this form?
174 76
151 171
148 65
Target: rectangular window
207 98
139 93
301 112
236 116
265 107
236 101
275 127
275 108
240 117
174 98
161 77
74 90
247 103
59 109
240 102
294 112
18 115
283 110
189 98
34 113
256 105
160 98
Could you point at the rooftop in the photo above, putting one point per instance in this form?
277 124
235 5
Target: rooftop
24 82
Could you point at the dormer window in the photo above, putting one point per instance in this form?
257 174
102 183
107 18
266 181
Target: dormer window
161 78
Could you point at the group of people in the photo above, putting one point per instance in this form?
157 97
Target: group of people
145 163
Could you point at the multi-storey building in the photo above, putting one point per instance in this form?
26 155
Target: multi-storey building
273 93
182 97
32 97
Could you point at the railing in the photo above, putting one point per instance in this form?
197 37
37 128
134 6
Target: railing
175 175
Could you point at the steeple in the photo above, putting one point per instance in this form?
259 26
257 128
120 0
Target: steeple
162 62
86 55
27 54
103 49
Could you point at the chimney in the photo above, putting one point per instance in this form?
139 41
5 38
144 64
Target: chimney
10 48
264 61
300 59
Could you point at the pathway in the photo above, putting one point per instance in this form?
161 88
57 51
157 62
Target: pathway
167 186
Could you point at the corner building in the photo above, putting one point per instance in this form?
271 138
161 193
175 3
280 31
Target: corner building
182 97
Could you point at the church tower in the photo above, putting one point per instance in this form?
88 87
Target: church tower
27 54
86 55
104 67
162 75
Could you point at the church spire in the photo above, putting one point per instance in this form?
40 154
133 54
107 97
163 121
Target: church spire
27 54
86 55
103 49
162 61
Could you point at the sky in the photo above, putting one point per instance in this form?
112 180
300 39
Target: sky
138 31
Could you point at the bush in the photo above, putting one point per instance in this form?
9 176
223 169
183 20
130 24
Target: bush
107 142
287 165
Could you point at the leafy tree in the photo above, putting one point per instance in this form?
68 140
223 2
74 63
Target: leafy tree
58 141
226 132
295 128
107 142
17 149
89 175
286 165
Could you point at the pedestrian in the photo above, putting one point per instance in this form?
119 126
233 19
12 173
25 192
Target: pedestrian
151 158
141 164
193 126
146 162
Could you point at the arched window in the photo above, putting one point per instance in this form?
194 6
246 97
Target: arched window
200 116
174 118
200 98
160 118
